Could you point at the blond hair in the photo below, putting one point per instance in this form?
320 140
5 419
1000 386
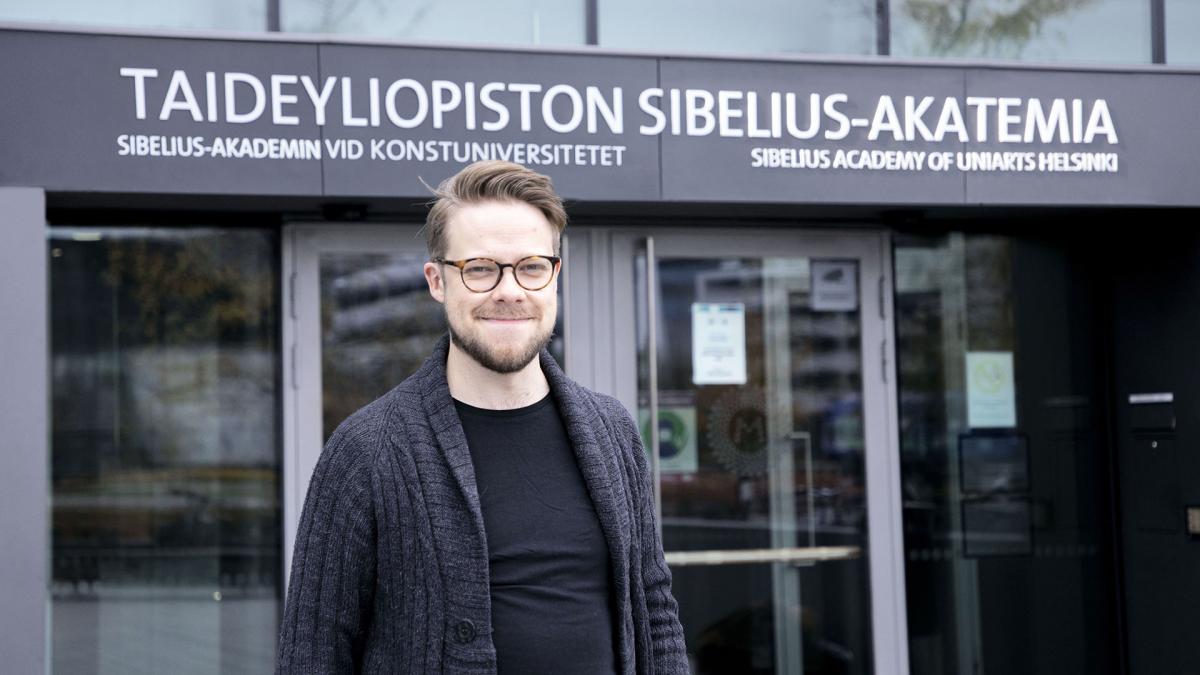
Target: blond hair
486 181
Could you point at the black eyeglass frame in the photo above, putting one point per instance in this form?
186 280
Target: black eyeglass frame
462 272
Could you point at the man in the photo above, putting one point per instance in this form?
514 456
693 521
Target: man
488 514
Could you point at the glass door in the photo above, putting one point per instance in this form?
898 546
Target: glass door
760 377
358 321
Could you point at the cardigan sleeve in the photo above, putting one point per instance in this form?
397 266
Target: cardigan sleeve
331 589
666 632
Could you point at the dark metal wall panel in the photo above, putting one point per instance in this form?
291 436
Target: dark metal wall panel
67 105
888 132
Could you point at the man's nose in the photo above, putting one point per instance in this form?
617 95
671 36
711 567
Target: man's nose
508 288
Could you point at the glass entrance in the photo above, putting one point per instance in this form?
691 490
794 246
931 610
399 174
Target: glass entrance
760 381
362 322
764 368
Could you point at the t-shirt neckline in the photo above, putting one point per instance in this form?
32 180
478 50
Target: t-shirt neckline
510 412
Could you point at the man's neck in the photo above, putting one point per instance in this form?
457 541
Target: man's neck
475 385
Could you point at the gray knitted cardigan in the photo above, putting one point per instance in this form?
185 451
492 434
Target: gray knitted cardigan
390 570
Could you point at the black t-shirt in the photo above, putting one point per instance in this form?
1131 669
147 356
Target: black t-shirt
548 558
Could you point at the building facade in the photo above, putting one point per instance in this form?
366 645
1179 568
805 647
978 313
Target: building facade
902 294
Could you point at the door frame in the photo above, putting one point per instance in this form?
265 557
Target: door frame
601 353
303 434
303 430
607 287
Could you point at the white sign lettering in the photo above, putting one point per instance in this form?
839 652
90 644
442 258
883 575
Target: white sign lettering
780 119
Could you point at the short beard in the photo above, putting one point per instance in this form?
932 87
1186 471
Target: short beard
500 364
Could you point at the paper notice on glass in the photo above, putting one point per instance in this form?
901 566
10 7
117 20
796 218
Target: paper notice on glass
718 343
991 390
834 285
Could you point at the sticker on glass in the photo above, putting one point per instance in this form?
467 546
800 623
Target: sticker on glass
991 390
676 438
834 285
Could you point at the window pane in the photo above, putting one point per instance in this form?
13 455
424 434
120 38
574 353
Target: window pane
165 450
527 22
190 14
1182 18
1115 31
378 325
843 27
1007 533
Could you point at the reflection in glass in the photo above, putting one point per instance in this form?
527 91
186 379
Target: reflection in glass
528 22
243 15
378 325
1005 529
165 450
1182 25
761 26
770 459
1032 30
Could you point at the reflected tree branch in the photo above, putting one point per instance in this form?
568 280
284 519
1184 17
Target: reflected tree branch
986 27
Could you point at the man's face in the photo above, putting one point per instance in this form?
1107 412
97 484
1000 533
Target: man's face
505 328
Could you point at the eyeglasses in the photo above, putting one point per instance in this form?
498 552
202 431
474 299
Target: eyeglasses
483 274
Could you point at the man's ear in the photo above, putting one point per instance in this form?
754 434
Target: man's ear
433 277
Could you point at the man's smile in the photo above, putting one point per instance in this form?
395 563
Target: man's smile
505 318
